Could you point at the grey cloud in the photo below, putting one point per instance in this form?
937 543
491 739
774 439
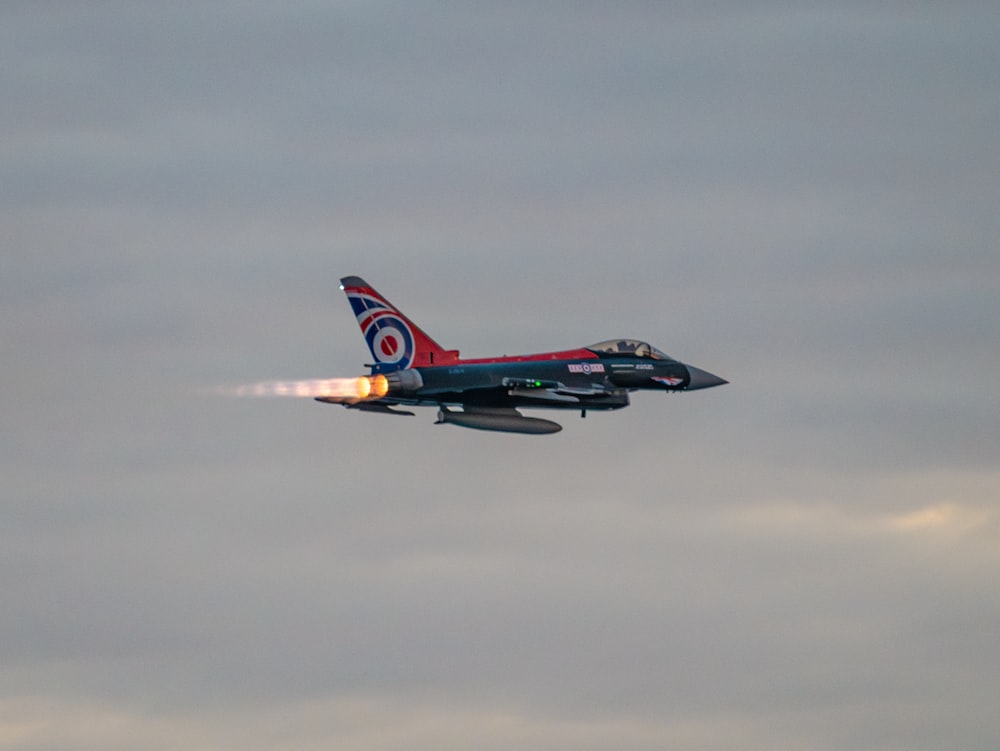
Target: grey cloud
802 200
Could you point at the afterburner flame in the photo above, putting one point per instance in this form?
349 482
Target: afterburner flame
379 386
357 389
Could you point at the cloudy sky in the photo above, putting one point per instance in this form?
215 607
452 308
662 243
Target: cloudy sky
802 198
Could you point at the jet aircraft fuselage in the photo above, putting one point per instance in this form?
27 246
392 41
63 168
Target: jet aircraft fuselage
411 369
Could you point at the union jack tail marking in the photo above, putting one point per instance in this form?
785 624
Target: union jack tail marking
394 340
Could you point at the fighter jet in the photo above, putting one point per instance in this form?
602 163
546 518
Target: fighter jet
411 369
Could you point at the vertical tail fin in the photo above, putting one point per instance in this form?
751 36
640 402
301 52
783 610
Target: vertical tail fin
395 341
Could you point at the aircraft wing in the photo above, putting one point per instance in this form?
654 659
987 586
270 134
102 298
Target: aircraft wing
525 391
542 392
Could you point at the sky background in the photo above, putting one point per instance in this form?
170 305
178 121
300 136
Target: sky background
800 197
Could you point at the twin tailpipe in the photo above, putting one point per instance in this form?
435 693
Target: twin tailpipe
394 383
363 389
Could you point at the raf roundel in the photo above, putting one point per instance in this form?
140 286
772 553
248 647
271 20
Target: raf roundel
390 340
388 336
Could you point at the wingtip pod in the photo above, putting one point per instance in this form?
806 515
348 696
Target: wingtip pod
396 343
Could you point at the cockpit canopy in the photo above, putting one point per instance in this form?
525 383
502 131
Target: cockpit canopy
629 347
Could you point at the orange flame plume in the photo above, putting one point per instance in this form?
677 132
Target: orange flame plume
348 389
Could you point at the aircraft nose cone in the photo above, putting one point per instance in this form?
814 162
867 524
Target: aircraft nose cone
702 379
